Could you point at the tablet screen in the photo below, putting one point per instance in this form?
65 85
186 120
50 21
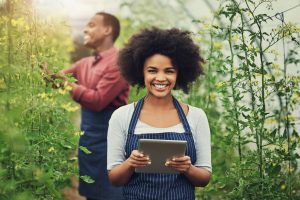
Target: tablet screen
159 151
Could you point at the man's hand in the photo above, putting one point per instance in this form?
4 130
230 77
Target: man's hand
57 80
47 72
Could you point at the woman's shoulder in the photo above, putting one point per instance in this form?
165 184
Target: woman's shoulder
121 116
124 110
198 121
196 113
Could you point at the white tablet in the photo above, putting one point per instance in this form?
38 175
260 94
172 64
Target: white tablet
159 151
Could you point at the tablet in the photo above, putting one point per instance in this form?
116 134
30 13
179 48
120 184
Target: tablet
159 151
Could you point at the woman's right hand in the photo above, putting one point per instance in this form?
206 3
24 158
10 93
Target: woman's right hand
138 159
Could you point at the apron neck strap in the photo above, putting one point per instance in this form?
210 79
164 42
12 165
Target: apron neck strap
135 116
182 116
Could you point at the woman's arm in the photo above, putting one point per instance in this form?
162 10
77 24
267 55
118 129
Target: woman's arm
121 174
198 176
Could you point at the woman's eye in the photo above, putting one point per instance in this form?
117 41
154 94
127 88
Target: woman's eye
151 71
170 71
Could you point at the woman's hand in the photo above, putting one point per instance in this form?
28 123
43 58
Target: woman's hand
121 174
180 164
197 176
138 159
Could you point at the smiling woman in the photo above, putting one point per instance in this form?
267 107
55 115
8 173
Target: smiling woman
159 75
160 60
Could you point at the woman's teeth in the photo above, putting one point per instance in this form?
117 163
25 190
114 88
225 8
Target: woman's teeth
160 86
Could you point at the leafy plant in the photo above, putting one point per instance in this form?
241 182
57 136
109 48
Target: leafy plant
37 137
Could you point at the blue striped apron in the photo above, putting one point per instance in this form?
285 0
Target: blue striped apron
92 163
145 186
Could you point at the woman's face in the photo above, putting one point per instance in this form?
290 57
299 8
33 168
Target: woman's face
159 75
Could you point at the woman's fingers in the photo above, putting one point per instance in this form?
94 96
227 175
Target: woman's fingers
137 159
181 164
180 161
135 163
136 155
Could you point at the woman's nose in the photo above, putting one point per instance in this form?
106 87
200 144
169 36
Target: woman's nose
161 77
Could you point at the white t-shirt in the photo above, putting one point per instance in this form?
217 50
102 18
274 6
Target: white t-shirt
118 130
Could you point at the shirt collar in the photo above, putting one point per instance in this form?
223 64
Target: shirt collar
103 54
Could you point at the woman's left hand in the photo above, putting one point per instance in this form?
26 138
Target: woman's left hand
180 164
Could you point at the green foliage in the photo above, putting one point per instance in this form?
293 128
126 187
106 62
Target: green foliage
36 135
256 96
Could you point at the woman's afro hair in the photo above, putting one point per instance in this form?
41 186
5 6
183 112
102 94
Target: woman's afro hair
173 43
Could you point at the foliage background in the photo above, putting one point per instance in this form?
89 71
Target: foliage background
250 93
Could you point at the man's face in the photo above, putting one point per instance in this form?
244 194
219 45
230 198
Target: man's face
95 32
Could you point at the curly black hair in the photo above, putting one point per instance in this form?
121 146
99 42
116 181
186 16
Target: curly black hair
173 43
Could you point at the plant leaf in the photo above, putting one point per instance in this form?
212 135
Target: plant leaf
85 150
87 179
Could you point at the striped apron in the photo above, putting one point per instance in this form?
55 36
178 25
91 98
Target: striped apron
92 157
146 186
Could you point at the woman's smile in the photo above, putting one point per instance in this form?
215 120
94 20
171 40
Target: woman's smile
159 86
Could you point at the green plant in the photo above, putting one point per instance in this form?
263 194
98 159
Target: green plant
37 137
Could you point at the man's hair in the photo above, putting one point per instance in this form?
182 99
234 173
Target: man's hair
173 43
110 20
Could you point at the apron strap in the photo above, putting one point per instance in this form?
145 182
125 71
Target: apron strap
138 108
182 116
135 116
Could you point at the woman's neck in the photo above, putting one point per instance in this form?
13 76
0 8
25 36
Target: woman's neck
154 103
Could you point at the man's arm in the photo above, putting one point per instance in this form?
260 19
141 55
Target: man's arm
107 89
71 70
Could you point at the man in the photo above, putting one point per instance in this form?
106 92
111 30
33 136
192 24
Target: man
99 89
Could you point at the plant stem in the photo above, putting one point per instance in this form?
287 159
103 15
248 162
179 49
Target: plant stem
249 76
9 10
287 124
234 92
263 109
209 73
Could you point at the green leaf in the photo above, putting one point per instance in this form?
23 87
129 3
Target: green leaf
87 179
241 57
276 169
85 150
63 144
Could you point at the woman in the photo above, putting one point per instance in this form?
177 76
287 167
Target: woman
160 60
